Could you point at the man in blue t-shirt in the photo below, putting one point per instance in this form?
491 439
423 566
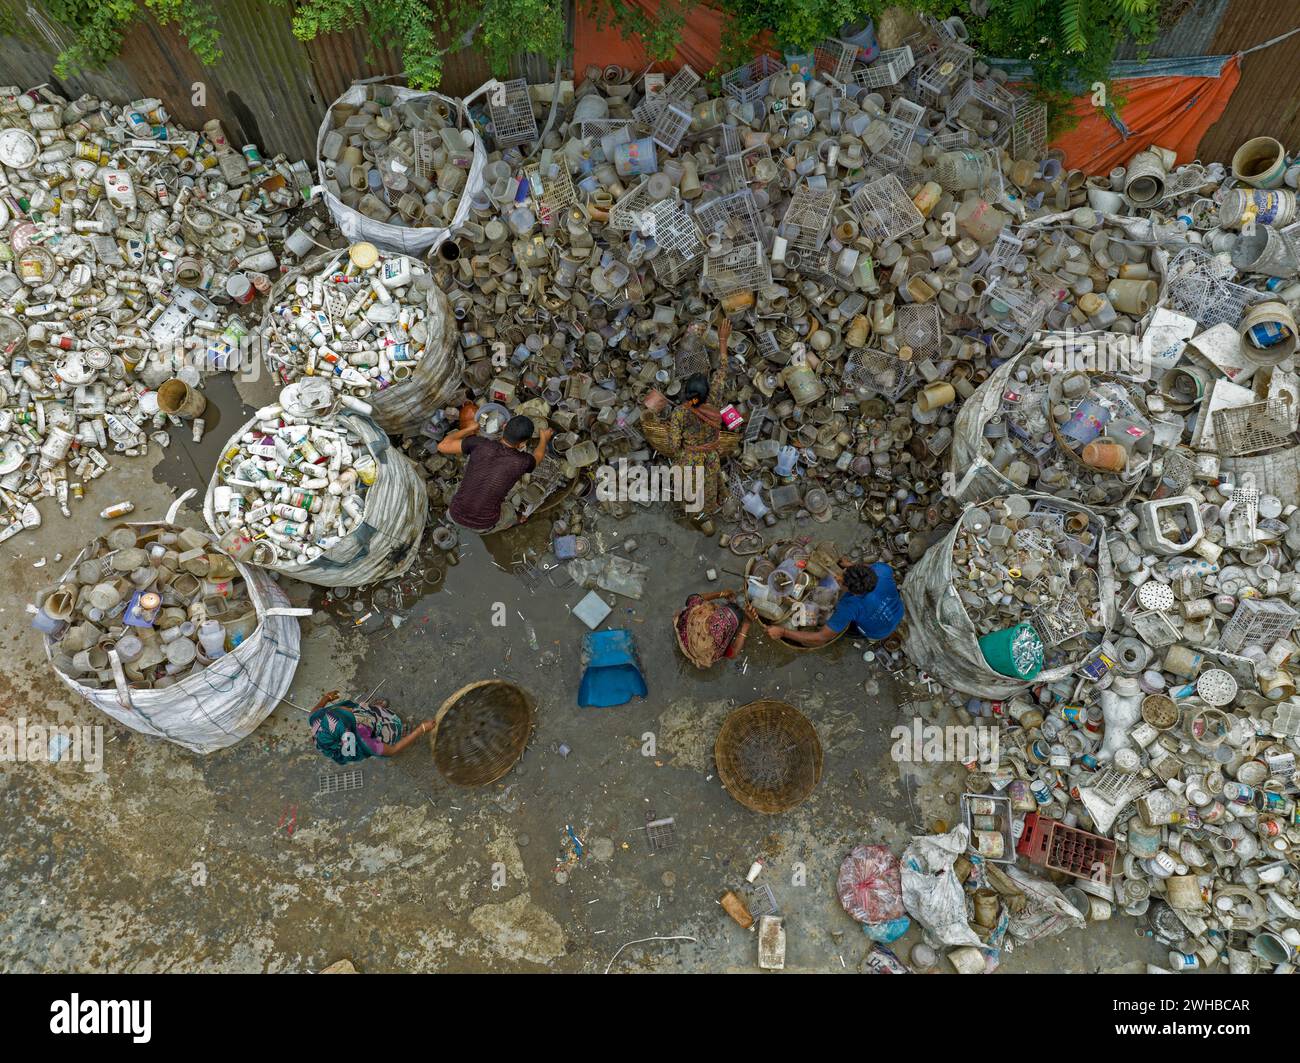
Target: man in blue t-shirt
871 603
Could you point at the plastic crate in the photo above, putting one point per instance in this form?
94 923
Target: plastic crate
890 67
735 270
885 211
1258 622
808 218
1051 844
513 121
749 83
671 124
1250 429
733 217
881 372
1028 129
835 58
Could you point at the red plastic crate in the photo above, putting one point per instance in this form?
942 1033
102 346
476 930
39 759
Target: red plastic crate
1054 845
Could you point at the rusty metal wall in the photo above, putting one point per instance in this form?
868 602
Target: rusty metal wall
1267 100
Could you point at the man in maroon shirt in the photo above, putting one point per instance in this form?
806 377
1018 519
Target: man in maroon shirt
493 469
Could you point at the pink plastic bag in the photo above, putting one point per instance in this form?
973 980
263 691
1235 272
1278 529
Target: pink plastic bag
870 885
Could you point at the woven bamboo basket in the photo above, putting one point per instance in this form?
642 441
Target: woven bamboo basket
769 756
655 431
480 732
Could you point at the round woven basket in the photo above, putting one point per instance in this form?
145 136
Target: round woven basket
481 731
769 756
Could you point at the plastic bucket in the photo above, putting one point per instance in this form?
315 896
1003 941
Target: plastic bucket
1265 251
1259 205
177 399
1260 162
1268 334
1014 651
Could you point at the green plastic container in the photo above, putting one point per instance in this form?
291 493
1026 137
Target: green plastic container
1014 651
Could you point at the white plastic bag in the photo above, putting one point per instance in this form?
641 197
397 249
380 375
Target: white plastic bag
932 893
228 699
411 241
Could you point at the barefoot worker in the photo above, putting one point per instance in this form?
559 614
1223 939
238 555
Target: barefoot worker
493 469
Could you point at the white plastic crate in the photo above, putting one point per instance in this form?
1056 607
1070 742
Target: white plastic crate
1250 429
511 110
671 124
742 168
889 68
628 213
885 211
808 218
879 371
749 83
919 326
733 217
1028 129
835 58
1258 622
741 268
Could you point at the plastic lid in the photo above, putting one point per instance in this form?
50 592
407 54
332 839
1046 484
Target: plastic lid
363 255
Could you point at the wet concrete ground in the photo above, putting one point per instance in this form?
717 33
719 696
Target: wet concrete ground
167 861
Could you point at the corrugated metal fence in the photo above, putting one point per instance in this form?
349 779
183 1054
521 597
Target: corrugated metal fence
272 89
269 88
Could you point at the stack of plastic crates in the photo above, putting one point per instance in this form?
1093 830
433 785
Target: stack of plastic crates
880 372
1252 429
889 69
1199 286
808 218
513 121
994 102
743 267
885 211
733 217
1028 129
749 83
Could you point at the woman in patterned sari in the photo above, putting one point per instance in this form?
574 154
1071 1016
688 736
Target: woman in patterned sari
347 732
710 628
695 427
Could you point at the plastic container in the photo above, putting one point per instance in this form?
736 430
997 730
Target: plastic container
1014 651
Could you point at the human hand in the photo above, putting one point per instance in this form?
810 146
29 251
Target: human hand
775 631
546 434
728 594
724 331
325 699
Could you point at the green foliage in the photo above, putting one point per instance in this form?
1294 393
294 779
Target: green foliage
100 25
1069 43
425 32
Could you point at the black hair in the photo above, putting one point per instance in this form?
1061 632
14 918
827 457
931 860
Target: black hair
859 579
519 429
696 387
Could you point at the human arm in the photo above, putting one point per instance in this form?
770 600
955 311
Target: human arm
452 442
820 637
325 699
713 595
396 747
719 378
544 437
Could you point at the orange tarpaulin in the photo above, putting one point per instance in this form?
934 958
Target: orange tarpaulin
1173 112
